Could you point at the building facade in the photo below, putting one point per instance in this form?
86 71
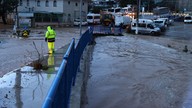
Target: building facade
185 5
177 5
51 11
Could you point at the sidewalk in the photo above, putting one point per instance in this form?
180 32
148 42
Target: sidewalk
27 88
127 72
24 88
17 52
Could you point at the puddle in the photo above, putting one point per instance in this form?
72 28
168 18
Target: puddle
26 86
21 90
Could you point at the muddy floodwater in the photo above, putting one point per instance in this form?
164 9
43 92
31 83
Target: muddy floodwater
128 72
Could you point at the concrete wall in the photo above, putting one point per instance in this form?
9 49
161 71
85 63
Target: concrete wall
187 4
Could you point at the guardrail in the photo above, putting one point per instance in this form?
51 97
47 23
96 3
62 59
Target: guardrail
60 91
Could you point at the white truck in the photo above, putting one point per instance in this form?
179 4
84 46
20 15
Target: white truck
122 20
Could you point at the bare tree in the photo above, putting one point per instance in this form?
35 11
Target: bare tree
37 64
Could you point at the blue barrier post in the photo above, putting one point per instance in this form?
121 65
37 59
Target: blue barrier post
60 90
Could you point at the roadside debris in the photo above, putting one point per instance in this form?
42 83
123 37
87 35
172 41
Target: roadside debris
168 45
185 49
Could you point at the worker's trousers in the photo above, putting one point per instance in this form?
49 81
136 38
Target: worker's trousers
51 47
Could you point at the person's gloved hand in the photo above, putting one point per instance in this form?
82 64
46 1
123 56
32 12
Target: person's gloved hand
45 39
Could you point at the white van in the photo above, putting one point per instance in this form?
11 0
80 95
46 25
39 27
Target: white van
126 10
122 20
145 26
188 19
114 10
93 18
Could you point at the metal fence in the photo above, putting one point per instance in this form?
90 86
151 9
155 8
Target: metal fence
60 91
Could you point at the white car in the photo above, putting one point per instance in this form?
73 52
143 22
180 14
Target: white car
161 24
77 22
165 19
188 19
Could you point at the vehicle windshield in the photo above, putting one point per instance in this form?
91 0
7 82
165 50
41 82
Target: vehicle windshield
153 25
158 22
117 10
78 20
111 10
114 10
89 17
188 18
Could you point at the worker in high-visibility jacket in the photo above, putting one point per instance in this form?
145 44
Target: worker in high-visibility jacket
50 39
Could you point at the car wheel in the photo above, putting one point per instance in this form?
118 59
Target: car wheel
133 31
152 33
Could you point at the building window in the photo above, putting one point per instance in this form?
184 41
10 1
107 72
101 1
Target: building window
54 3
21 2
47 3
38 3
69 2
27 2
76 4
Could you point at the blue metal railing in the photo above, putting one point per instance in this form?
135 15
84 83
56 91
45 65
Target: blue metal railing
60 91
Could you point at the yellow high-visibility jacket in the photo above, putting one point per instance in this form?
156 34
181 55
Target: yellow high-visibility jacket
50 34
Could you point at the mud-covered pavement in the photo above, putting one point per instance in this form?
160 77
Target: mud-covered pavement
128 72
141 71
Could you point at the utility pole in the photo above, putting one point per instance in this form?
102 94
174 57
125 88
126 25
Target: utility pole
137 19
17 17
16 25
80 17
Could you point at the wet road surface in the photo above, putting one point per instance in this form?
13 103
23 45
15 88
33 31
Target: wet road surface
128 72
180 31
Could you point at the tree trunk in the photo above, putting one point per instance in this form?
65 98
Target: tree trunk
4 19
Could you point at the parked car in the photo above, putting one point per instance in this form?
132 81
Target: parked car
188 19
161 24
77 22
145 26
167 23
